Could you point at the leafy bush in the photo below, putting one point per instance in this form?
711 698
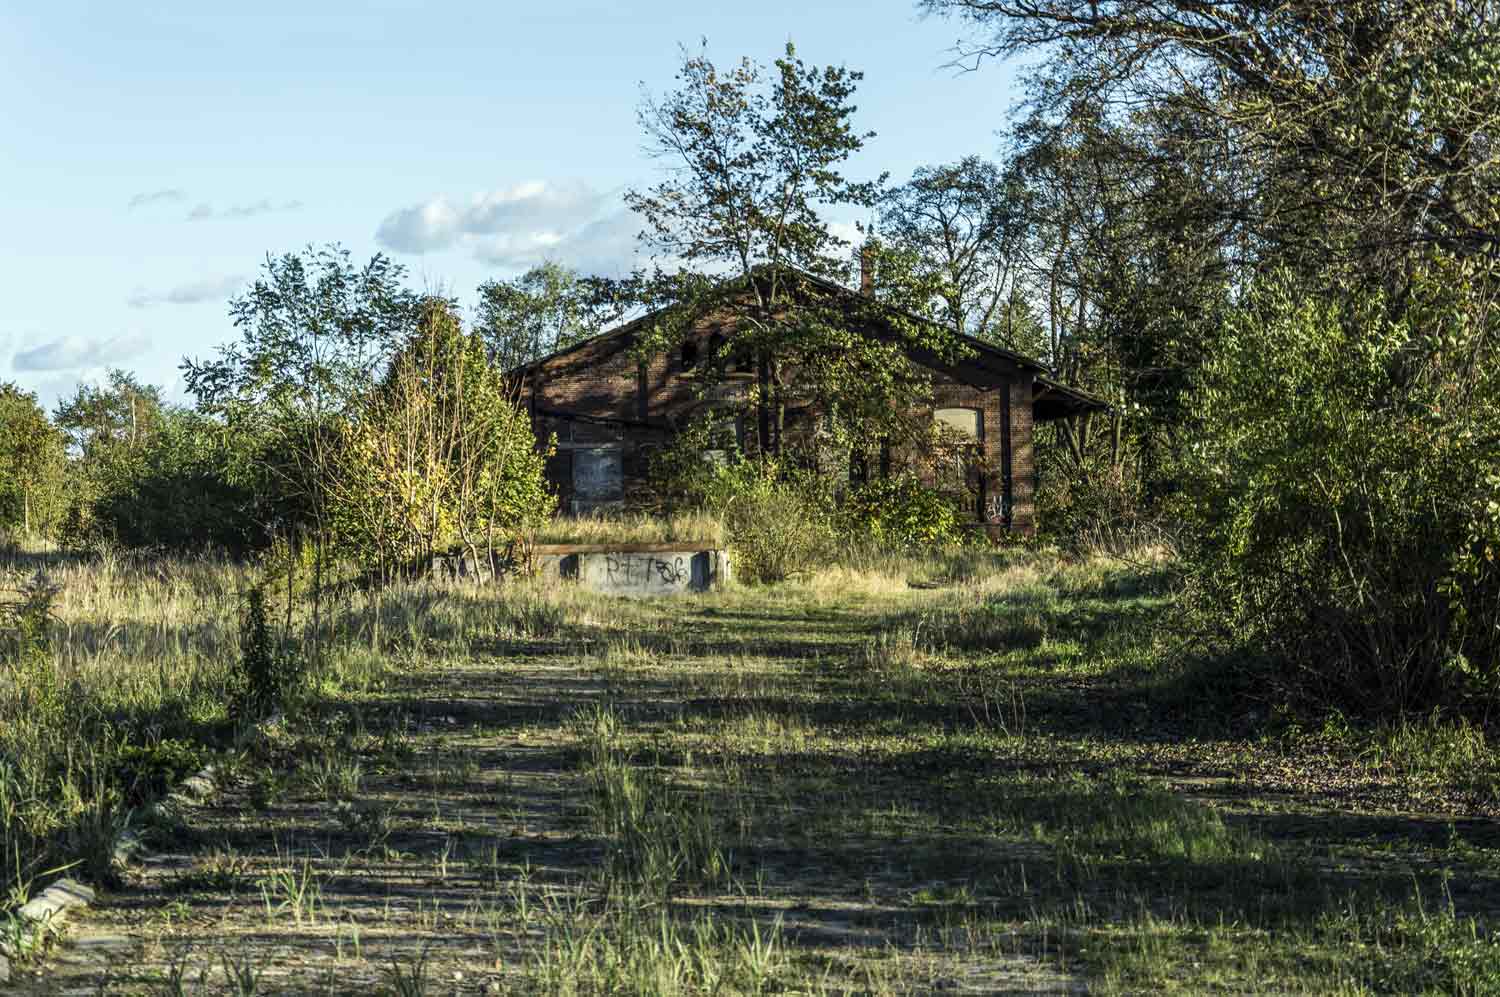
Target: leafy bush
777 517
1345 491
438 456
146 772
901 511
778 521
178 492
1078 506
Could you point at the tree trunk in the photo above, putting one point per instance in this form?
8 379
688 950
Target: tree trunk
763 408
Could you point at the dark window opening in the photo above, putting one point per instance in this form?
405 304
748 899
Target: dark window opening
859 468
689 354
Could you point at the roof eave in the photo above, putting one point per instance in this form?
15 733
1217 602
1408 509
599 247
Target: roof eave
1052 400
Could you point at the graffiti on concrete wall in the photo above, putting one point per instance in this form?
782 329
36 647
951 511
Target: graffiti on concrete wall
644 571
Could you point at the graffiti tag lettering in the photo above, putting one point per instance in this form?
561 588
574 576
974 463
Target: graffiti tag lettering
628 571
671 573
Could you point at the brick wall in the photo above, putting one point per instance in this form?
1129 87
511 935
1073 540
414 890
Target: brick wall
598 379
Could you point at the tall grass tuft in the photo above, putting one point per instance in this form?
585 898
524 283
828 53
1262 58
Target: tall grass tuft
657 835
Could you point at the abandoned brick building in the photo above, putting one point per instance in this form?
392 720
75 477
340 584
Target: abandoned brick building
609 410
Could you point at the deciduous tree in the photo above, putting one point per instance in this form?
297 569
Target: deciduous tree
1362 133
31 456
316 329
546 309
440 455
962 227
754 156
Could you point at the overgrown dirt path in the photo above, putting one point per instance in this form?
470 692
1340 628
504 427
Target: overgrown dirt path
332 863
993 778
439 834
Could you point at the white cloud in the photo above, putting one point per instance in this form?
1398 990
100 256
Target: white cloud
73 353
264 206
512 223
191 293
605 245
171 195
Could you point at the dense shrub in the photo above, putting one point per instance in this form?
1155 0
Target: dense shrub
779 519
438 455
31 464
23 622
901 511
1077 505
177 492
1345 492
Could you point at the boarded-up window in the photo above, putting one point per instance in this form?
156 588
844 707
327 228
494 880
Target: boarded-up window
965 422
597 477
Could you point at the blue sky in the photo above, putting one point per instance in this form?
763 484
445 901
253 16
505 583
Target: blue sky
155 152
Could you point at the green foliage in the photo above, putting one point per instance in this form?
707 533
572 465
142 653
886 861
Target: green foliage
31 463
1079 504
900 511
1345 491
952 241
785 517
148 772
267 671
24 621
1409 86
315 331
778 518
546 309
757 155
108 426
682 473
763 149
107 423
179 491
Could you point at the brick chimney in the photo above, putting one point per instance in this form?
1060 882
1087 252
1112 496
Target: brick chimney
867 270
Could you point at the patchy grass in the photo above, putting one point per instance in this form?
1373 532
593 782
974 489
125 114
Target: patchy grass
973 771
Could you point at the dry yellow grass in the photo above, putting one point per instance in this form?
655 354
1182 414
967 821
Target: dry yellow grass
692 527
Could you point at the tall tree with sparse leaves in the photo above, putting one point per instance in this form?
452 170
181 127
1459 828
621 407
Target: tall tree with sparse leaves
753 157
963 227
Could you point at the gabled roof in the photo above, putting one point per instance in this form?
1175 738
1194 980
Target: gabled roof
1051 399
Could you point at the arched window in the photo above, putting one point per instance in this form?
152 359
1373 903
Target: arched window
690 354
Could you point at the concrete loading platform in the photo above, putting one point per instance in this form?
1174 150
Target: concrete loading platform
631 570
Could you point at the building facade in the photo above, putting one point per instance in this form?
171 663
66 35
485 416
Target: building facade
610 410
